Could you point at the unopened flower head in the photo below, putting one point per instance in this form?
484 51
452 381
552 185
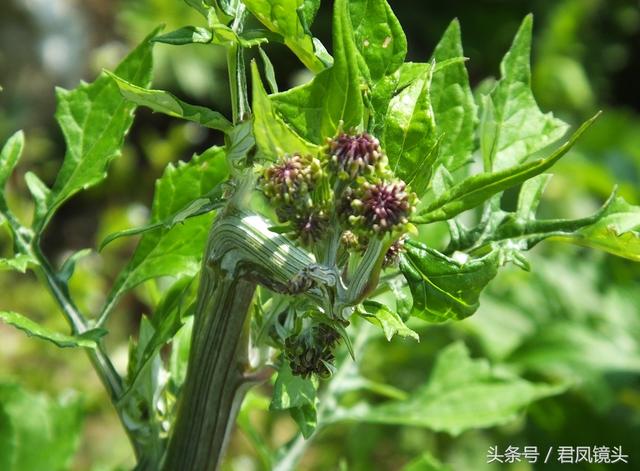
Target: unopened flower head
311 352
291 180
310 226
383 207
354 155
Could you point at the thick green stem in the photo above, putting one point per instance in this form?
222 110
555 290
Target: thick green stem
240 252
213 389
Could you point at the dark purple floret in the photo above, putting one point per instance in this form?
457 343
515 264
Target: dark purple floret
386 205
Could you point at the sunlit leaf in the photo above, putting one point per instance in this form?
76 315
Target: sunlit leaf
94 119
164 102
316 109
88 339
442 287
512 126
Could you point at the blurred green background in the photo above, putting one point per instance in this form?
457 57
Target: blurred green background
575 317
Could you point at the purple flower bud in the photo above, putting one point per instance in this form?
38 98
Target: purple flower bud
384 206
355 155
291 180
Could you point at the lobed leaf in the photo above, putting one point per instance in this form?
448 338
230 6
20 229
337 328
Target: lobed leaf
94 119
390 322
512 127
476 189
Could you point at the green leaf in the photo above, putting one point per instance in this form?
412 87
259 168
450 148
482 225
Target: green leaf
37 432
426 462
615 228
239 142
476 189
87 339
298 395
316 109
180 347
210 202
273 136
9 156
389 321
530 195
281 17
269 72
378 36
462 394
444 288
19 263
177 251
452 102
309 10
166 322
94 119
164 102
186 35
512 126
617 231
409 133
40 194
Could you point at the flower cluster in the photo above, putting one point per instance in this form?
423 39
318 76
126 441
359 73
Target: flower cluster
289 185
311 352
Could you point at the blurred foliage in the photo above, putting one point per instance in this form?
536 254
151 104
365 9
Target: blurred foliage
574 319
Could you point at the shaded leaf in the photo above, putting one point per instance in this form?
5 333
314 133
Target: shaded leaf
462 394
164 102
273 136
87 339
38 432
298 395
186 35
444 288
